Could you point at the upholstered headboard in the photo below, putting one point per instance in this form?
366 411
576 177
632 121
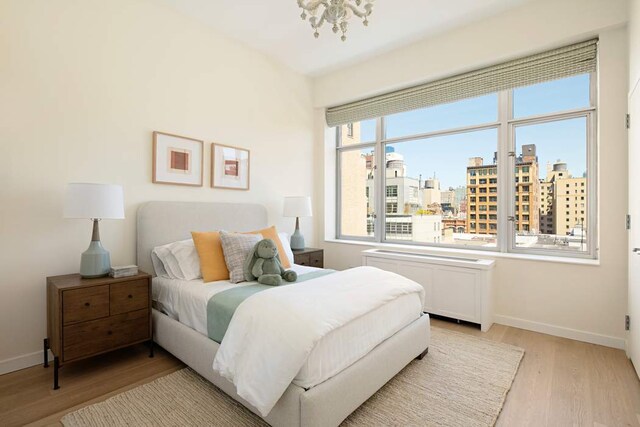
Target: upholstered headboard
159 223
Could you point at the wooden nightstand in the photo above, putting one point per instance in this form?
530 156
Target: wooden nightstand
309 256
87 317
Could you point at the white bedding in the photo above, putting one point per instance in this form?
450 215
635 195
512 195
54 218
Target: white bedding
186 301
272 333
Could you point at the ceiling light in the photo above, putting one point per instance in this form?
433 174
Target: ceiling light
336 12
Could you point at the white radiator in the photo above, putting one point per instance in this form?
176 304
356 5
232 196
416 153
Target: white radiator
455 287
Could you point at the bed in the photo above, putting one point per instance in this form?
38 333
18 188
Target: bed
359 357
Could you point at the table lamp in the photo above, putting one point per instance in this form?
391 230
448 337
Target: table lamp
94 202
296 207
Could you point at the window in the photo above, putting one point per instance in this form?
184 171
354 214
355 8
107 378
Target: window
358 133
444 162
568 171
551 97
468 112
448 155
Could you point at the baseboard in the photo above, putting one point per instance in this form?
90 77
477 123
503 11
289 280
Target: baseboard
560 331
22 362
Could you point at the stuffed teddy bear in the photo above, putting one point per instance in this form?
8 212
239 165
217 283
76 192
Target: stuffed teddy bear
263 264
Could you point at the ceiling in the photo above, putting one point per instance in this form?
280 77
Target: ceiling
275 28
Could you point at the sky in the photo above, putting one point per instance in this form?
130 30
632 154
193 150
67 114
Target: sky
447 156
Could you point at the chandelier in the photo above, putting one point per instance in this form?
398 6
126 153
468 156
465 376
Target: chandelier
336 12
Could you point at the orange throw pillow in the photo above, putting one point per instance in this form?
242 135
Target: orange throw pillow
272 233
212 264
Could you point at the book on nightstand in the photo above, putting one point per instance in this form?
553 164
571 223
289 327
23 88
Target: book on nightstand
123 271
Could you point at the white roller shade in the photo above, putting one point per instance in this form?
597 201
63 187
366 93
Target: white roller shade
554 64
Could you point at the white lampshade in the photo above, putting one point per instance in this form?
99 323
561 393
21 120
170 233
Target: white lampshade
297 206
94 201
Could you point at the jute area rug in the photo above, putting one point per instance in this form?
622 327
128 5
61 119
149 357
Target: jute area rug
463 381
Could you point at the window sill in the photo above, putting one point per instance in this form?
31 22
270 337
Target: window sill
468 252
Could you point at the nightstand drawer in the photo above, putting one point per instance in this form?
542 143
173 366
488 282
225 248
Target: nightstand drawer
316 259
84 304
129 296
302 259
89 338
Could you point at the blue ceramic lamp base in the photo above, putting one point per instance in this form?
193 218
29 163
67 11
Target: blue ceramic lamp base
297 239
95 261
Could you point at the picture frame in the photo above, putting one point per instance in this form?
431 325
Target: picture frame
230 167
177 160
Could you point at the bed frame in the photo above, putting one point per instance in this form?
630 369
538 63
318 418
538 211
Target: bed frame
326 404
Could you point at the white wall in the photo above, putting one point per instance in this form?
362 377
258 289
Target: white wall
83 84
579 301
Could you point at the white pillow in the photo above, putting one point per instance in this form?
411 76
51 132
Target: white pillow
169 261
286 245
179 259
158 267
187 258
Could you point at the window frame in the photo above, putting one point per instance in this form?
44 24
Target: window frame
505 126
589 114
376 190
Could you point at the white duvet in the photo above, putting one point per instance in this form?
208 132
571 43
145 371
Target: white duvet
186 301
273 332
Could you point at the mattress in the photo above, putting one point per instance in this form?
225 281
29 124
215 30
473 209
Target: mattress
186 302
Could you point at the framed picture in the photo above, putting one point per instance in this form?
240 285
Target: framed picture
177 160
229 167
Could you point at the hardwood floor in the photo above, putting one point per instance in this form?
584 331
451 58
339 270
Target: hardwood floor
560 382
26 396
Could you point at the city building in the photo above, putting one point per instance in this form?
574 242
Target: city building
402 195
461 200
407 216
482 194
527 198
431 192
449 201
458 225
482 197
415 228
354 178
563 207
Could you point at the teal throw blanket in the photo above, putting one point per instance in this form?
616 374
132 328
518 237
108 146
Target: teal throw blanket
223 305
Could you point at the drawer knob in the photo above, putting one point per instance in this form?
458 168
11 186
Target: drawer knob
130 296
86 304
109 332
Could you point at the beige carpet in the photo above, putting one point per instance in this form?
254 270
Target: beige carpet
463 381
